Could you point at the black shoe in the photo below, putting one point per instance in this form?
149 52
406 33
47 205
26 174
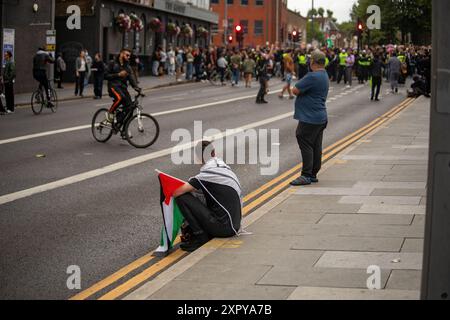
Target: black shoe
376 99
194 244
301 181
314 179
264 101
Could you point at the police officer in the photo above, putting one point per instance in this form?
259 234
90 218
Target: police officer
342 66
302 64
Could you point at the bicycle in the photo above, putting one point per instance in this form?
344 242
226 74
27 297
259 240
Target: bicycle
39 99
215 76
141 130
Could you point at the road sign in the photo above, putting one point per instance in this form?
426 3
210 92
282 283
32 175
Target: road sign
333 37
8 42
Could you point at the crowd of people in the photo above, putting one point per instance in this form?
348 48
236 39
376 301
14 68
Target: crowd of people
371 64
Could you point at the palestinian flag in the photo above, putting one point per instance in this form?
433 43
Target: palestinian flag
172 217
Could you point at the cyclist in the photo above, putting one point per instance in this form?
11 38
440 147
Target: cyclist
118 74
40 61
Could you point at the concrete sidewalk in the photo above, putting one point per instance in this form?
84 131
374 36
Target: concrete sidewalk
68 91
316 242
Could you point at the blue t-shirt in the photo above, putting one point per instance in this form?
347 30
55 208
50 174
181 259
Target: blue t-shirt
310 104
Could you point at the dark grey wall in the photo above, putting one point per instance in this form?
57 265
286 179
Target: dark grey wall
30 29
71 42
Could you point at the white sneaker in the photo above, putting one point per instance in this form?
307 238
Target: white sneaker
109 117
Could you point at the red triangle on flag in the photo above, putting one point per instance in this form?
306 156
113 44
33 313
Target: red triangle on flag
169 185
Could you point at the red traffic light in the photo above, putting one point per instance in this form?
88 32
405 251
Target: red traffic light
238 28
294 33
360 26
230 39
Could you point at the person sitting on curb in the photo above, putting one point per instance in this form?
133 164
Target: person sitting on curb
221 214
311 113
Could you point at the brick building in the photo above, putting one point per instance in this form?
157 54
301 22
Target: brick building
263 20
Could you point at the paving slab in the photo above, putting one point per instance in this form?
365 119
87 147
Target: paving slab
194 290
385 260
399 192
341 243
394 200
412 245
390 231
384 157
324 293
390 185
335 191
217 273
371 219
405 280
391 209
320 277
297 259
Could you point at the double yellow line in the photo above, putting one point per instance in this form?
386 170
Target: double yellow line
274 187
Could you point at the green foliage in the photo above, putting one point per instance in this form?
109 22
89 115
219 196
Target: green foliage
318 35
404 16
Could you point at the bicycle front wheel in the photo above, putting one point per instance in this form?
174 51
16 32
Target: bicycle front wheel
53 100
101 129
37 102
142 130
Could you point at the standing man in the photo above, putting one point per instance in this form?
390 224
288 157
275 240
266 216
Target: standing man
394 71
342 64
98 68
311 113
377 75
9 77
60 69
302 65
349 63
236 61
263 73
288 65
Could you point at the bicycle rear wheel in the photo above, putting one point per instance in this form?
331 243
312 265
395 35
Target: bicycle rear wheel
37 102
101 129
214 78
142 131
53 100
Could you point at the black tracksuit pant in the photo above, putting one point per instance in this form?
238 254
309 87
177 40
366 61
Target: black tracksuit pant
262 88
201 219
309 138
376 84
9 95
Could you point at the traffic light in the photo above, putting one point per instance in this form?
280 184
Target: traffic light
239 34
295 36
230 39
359 27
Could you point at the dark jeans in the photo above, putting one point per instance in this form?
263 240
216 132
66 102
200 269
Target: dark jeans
79 84
60 78
41 77
376 83
342 72
9 95
98 85
201 219
309 138
262 88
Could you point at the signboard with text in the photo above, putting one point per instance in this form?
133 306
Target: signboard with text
8 42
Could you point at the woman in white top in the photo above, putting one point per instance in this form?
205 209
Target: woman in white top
81 68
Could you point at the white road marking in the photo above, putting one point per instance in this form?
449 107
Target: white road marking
131 162
53 132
